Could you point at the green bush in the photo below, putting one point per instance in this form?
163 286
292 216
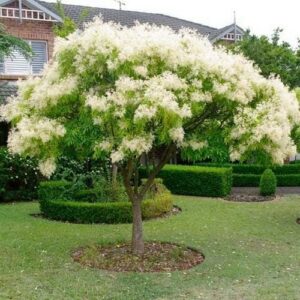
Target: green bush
53 190
87 195
288 180
19 177
195 180
257 169
245 180
267 184
252 180
153 208
105 212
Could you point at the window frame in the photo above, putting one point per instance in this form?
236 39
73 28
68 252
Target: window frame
29 61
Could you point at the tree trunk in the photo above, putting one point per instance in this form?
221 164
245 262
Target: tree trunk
137 228
114 175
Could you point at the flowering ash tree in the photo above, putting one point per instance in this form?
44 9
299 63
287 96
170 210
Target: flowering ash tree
123 92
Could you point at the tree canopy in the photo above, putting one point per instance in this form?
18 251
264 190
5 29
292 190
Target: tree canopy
9 43
124 92
272 56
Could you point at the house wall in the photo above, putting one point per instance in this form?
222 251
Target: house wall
30 30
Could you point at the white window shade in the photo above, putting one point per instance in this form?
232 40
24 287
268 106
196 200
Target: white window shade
39 56
17 64
1 67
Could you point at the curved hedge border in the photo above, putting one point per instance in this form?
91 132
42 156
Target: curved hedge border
105 212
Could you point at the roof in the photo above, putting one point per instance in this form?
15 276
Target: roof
126 17
224 30
7 89
36 5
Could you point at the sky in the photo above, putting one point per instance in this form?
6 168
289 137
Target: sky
260 16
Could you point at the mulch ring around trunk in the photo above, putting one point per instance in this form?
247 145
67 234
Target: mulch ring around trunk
158 257
249 198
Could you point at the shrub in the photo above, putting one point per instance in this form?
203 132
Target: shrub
19 177
87 195
53 190
267 183
288 180
83 212
245 180
257 169
105 212
153 208
196 181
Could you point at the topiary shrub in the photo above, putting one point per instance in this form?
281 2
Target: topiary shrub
268 183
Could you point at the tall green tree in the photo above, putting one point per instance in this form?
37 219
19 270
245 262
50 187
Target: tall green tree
9 43
68 25
272 56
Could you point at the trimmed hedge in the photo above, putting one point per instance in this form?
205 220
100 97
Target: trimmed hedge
195 180
245 180
105 212
49 190
288 180
88 195
267 184
257 169
252 180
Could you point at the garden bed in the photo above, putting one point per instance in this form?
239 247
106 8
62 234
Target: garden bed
249 198
158 257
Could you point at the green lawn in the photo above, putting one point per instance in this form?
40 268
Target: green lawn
252 252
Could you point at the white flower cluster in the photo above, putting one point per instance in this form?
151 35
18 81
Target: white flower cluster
47 166
195 145
137 146
177 135
145 111
30 134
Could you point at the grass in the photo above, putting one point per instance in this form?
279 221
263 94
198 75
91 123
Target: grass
252 252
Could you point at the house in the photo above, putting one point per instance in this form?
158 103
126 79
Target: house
33 20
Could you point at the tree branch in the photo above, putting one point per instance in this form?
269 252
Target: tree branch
127 174
164 158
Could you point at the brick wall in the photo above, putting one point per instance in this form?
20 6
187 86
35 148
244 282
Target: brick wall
30 30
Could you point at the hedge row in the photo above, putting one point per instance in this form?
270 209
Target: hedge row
252 180
59 189
104 212
195 180
257 169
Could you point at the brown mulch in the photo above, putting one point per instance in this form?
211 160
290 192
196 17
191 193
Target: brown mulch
158 257
249 198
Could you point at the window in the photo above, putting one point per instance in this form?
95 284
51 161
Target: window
17 64
230 36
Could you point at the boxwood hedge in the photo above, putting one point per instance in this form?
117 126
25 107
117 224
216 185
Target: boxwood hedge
104 212
248 180
49 190
256 169
195 180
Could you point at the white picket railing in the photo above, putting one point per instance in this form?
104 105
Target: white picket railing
27 14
